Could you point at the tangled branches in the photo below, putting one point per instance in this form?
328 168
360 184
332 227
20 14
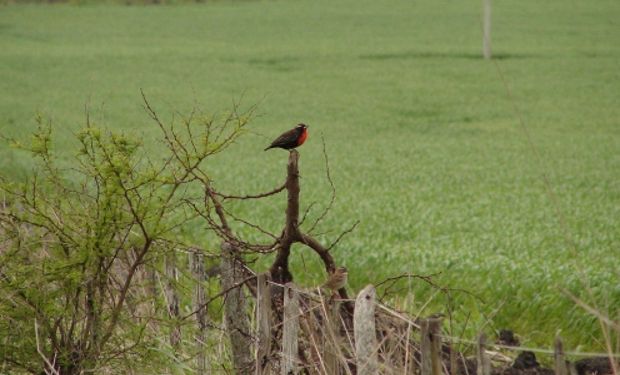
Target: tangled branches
185 151
84 250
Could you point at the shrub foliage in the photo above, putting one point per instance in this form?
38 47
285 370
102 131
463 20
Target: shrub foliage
82 246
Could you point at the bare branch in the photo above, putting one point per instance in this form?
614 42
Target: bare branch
51 370
391 281
306 212
591 310
351 229
333 188
219 295
255 196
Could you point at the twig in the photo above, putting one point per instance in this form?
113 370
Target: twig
220 294
333 188
426 278
52 370
591 310
255 226
306 212
255 196
351 229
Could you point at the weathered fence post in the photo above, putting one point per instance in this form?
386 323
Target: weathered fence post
172 298
152 291
430 347
453 360
409 354
559 359
290 331
263 322
425 348
331 338
486 32
572 370
435 328
235 310
364 332
310 326
197 266
483 363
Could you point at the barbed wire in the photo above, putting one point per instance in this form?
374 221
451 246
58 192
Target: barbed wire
531 349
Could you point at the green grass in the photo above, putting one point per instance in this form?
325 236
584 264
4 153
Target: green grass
424 141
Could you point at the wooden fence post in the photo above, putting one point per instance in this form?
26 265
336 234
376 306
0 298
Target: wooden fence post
486 37
290 331
482 360
197 266
331 338
572 370
409 354
364 332
263 322
430 347
172 298
453 360
559 359
425 348
235 310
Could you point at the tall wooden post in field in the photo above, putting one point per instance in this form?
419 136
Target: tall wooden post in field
486 29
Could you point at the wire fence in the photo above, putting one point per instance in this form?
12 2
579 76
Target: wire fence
314 333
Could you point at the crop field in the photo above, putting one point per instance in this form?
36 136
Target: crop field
500 177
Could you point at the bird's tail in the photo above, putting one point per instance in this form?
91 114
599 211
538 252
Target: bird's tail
268 148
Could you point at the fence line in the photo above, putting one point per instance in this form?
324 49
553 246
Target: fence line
308 332
416 324
449 338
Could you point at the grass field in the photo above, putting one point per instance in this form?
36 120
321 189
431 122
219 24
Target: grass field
425 144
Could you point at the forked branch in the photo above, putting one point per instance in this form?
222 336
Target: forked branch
292 234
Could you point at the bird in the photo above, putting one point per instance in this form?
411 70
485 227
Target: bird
337 279
291 139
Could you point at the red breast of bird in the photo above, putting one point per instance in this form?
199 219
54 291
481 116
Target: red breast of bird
302 137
